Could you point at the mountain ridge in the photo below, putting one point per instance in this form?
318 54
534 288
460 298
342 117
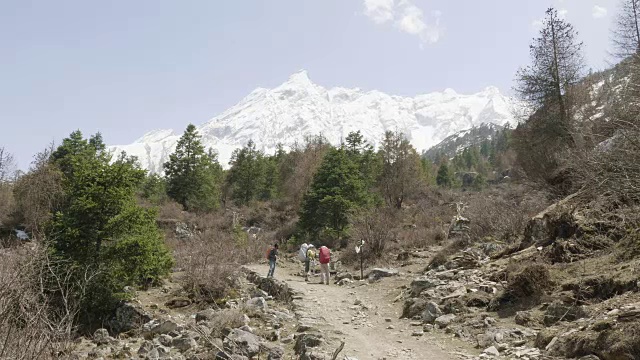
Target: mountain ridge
298 108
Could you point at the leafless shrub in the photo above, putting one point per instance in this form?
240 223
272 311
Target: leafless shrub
377 228
212 258
39 304
503 212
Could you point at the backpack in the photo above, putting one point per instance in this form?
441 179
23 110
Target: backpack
302 254
325 255
269 252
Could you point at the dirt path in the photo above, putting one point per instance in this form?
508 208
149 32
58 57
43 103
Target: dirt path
365 317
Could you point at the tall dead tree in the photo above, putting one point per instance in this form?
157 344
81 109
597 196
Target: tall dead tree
626 32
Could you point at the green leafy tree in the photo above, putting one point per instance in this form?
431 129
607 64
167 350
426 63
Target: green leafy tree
193 175
336 190
99 227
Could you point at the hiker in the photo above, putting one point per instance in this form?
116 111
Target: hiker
272 256
325 258
309 259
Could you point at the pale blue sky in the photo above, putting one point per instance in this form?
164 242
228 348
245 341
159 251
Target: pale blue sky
124 67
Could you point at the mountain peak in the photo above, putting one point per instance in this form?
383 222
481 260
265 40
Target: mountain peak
299 77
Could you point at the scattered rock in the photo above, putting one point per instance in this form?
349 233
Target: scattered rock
379 273
145 347
242 342
558 311
444 320
523 318
491 351
101 337
177 303
184 343
206 315
422 283
165 340
128 316
155 327
305 341
431 312
258 302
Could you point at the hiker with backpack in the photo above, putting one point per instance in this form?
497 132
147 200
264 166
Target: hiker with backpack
325 258
309 261
272 256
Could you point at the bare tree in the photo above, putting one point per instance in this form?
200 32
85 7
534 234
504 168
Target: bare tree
401 166
7 170
626 33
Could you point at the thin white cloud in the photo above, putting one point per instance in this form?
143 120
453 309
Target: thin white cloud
562 13
599 12
406 17
380 11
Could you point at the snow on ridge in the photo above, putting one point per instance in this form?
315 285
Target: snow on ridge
299 107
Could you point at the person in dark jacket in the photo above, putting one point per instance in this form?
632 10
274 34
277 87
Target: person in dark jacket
273 256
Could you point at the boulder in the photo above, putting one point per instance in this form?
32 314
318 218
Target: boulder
423 283
206 315
184 343
156 327
165 340
445 320
559 311
258 302
242 342
491 351
413 307
145 348
379 273
128 316
523 318
431 312
101 337
305 341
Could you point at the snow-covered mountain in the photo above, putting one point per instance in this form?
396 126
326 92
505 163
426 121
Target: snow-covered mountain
299 107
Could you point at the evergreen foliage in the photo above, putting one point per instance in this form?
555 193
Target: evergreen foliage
193 176
99 227
338 188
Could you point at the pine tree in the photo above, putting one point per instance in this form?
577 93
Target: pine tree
193 176
557 64
247 174
444 177
337 189
99 228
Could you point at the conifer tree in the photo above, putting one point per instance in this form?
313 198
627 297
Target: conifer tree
247 175
193 175
337 189
626 34
444 177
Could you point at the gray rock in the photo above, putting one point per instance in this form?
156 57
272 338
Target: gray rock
422 283
184 343
205 315
444 320
275 353
242 342
153 354
258 302
523 318
165 340
101 337
305 341
145 347
431 312
156 327
343 282
558 311
127 317
379 273
491 351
